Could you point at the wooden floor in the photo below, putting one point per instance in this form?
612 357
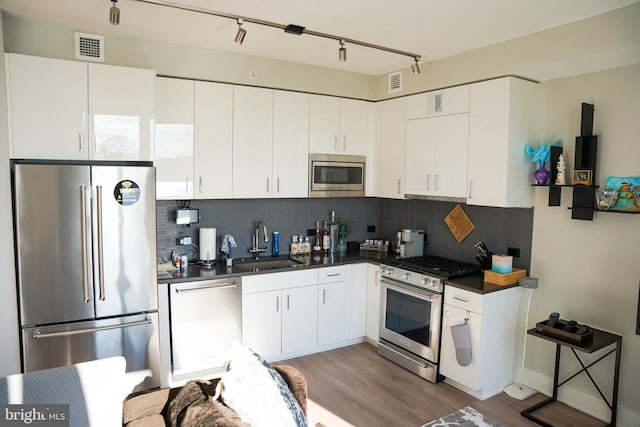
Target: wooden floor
354 386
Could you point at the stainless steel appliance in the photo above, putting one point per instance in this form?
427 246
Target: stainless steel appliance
86 265
206 317
334 175
411 311
413 242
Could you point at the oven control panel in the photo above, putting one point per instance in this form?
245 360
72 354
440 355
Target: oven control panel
420 280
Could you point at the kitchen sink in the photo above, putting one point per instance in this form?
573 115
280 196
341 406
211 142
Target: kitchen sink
267 264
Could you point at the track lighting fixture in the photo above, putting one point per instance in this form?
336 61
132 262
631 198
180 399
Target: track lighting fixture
342 52
114 13
241 32
415 67
114 18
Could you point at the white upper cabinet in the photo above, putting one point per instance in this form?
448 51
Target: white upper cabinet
252 142
436 156
502 119
213 143
120 113
290 144
337 125
47 108
68 110
174 138
453 100
392 131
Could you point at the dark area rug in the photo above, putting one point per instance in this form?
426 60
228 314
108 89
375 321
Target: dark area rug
465 417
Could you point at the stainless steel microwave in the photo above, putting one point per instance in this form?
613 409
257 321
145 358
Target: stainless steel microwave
334 175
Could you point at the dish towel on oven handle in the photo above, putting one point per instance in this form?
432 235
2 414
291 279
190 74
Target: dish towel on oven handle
462 343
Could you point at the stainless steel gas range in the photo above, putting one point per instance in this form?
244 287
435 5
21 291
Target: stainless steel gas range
411 310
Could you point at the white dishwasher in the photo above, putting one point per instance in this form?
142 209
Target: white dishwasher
205 318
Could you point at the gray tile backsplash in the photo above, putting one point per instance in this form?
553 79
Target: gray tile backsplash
499 228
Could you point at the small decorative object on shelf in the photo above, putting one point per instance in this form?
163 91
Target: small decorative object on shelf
560 180
581 177
541 155
606 198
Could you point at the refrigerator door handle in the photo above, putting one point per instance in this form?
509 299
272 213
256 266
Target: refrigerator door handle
83 238
37 335
100 236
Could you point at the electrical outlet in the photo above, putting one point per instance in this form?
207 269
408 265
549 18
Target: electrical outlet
514 252
183 240
371 228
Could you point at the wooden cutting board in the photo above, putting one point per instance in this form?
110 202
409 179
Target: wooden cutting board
459 223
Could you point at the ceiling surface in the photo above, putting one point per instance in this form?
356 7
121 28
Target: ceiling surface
432 29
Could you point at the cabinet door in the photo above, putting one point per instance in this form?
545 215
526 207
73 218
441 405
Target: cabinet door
261 322
252 142
299 319
290 144
392 148
353 127
324 124
174 139
373 302
452 100
468 375
451 155
502 117
121 101
332 313
419 158
47 108
213 140
357 300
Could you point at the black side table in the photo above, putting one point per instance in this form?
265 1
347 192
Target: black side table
601 339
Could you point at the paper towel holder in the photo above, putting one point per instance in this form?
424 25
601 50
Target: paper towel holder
207 246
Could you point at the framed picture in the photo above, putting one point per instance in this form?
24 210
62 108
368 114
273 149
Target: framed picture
581 176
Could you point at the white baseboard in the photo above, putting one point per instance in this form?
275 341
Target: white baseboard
578 399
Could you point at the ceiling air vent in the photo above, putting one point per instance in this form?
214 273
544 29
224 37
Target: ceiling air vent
89 47
395 82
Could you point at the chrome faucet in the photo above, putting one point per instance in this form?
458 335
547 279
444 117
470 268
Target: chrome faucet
256 249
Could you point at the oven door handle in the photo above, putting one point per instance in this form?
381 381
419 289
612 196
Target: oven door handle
418 293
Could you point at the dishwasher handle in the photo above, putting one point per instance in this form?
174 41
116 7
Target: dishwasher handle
223 285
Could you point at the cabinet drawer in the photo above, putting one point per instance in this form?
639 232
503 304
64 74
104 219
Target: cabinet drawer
463 299
276 281
332 274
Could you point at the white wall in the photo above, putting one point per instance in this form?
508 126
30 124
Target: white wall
10 360
590 270
605 41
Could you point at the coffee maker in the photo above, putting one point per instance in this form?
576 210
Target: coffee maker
413 243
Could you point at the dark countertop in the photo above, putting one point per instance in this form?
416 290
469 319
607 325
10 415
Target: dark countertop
196 272
476 284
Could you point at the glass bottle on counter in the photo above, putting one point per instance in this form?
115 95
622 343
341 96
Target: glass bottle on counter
295 246
333 234
307 245
317 242
326 238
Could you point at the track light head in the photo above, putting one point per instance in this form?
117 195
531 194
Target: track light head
241 33
415 67
342 52
114 13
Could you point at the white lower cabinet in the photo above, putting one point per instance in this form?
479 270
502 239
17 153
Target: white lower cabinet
332 313
492 320
279 312
300 312
373 303
332 305
358 300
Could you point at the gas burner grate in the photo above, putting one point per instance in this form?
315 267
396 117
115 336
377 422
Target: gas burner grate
439 266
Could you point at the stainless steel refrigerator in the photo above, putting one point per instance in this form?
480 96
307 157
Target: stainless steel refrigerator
86 265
